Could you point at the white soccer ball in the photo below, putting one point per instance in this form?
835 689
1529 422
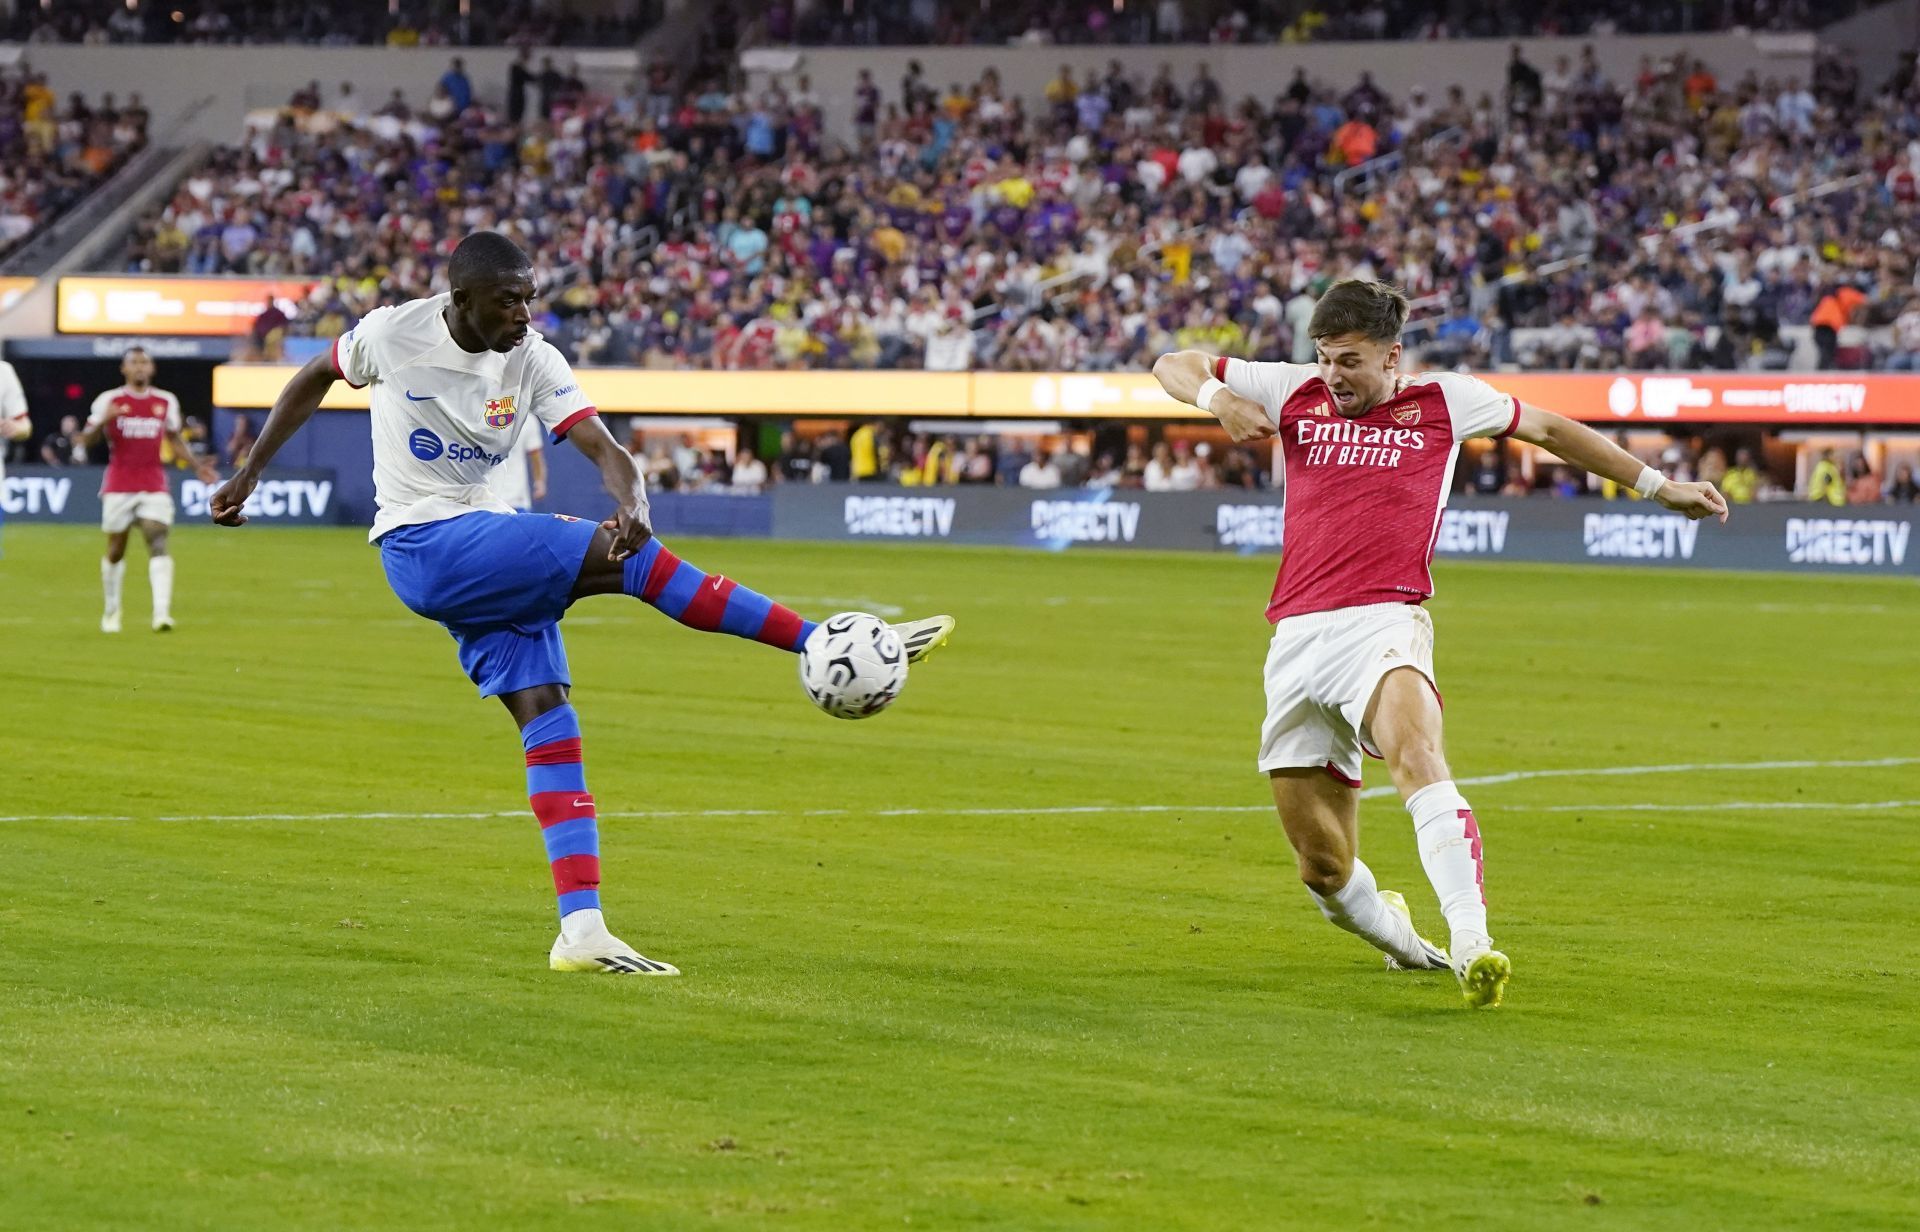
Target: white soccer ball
853 665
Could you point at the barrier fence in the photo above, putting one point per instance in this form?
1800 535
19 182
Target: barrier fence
1783 538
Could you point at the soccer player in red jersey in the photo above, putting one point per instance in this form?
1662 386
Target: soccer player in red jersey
135 418
1369 456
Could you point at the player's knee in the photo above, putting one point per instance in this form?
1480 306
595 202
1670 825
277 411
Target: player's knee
1418 759
1325 872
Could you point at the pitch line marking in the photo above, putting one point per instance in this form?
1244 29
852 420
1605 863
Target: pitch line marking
1488 780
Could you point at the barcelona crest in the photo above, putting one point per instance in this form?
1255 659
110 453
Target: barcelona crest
500 411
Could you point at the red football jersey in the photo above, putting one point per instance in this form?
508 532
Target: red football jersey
134 437
1364 495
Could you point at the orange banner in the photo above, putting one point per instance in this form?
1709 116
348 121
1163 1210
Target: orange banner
167 305
11 289
1806 399
1814 400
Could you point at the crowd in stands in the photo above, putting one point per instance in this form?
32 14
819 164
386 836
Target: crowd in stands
1671 220
52 155
878 452
894 22
409 23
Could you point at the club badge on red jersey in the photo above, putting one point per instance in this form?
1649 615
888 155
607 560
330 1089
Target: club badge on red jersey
1407 414
500 411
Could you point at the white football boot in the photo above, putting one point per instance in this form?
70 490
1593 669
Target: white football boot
922 637
585 944
1436 957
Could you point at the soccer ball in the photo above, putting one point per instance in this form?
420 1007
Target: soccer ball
853 665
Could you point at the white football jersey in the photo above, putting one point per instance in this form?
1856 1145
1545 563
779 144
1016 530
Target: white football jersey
512 481
444 417
13 407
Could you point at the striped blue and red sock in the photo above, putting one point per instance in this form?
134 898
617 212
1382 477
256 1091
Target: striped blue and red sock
710 603
557 788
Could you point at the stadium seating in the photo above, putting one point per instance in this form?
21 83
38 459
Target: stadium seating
885 22
1667 221
419 23
53 155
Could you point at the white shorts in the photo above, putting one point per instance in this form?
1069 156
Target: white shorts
119 510
1322 670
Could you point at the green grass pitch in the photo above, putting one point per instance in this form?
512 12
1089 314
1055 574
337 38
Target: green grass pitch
1099 999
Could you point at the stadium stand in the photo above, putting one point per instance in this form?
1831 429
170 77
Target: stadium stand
52 155
887 22
1671 220
418 23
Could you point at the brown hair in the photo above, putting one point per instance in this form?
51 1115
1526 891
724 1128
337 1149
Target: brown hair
1373 309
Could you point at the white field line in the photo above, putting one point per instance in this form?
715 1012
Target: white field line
1514 776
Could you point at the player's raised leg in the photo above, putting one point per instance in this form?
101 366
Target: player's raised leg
1405 723
714 603
113 576
569 826
1321 817
159 573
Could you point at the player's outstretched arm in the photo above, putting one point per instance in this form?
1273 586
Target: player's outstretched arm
1583 447
631 524
1188 377
295 405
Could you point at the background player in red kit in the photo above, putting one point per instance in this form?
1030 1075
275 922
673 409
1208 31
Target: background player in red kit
135 418
1369 457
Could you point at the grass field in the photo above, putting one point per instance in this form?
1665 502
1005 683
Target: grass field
229 999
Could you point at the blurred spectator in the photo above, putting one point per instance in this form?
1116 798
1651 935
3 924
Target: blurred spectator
1903 490
64 447
239 446
1040 472
1825 483
1863 486
1742 481
749 473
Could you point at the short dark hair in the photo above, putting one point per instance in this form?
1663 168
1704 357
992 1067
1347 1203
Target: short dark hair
1376 310
132 351
486 257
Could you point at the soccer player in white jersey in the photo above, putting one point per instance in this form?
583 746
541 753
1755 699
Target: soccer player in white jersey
15 423
1369 456
456 378
522 478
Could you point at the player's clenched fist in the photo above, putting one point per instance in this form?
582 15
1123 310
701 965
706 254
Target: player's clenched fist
227 499
1243 418
1696 500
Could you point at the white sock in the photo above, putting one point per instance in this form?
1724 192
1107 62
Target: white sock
112 572
1449 839
1358 908
586 922
160 577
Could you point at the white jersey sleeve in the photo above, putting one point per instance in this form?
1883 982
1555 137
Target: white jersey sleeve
1475 407
174 422
359 355
13 399
101 404
558 401
1269 384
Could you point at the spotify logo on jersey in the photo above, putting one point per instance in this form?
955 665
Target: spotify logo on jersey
425 445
